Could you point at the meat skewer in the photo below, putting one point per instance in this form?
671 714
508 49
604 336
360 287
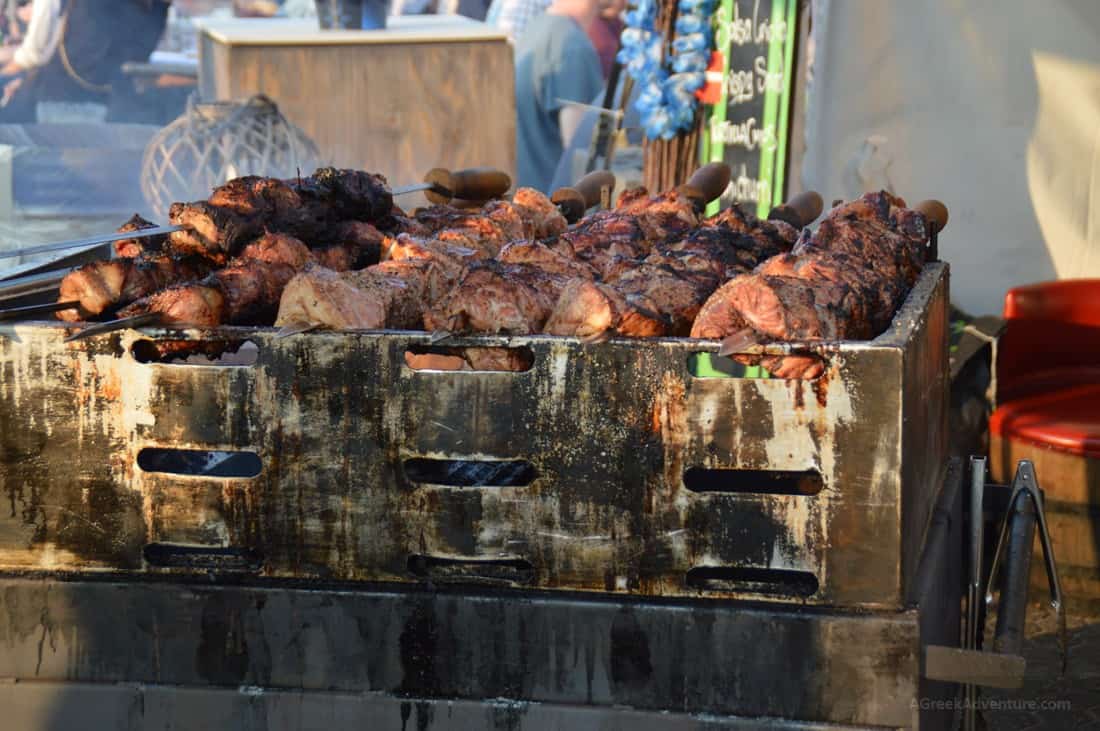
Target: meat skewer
100 286
235 211
252 197
419 269
246 290
843 282
480 181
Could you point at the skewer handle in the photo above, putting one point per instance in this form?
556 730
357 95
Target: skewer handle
588 191
707 183
472 184
799 210
935 212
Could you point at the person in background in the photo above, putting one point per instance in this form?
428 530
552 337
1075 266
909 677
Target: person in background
74 50
604 32
556 64
513 16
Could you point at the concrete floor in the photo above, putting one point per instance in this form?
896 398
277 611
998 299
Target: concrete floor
1049 700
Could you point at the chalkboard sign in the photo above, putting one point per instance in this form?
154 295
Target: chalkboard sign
749 126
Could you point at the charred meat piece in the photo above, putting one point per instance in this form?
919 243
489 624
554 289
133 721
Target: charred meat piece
493 297
891 254
782 308
674 295
530 214
210 231
247 291
661 216
348 194
545 218
605 240
550 260
129 248
471 229
718 250
103 285
390 295
774 236
878 296
452 258
362 240
278 249
588 309
878 228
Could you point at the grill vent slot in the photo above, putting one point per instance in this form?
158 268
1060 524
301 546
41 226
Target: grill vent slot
470 473
478 571
712 365
774 582
170 555
760 482
435 358
196 352
199 462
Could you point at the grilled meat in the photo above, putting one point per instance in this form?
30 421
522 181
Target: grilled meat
879 296
530 214
314 209
246 291
844 281
675 296
349 194
777 236
782 308
129 248
549 259
210 231
660 216
605 241
545 218
387 295
879 230
593 310
102 285
493 297
452 258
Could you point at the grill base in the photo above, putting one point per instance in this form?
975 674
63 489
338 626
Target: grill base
275 654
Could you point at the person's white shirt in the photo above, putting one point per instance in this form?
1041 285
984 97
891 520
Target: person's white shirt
43 35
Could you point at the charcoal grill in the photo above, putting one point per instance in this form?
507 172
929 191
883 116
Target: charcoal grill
338 500
640 478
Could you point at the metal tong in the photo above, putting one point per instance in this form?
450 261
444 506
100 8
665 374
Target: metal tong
1005 666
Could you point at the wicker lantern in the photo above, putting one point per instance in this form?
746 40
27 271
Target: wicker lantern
217 141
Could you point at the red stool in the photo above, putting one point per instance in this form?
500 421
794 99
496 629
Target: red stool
1048 411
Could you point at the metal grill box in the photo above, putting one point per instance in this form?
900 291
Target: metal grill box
640 478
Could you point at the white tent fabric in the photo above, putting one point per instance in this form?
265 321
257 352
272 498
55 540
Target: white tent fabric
992 106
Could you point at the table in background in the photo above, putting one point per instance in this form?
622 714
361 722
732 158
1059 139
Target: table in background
428 91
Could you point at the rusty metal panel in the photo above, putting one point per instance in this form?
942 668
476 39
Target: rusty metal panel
610 430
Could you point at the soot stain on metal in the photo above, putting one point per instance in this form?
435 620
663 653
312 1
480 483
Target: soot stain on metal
419 641
222 655
631 665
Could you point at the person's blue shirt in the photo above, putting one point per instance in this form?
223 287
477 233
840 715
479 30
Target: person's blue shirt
555 64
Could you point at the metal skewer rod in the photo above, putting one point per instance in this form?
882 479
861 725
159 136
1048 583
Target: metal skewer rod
19 313
90 241
125 323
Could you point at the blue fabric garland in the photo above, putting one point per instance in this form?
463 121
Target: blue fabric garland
666 91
